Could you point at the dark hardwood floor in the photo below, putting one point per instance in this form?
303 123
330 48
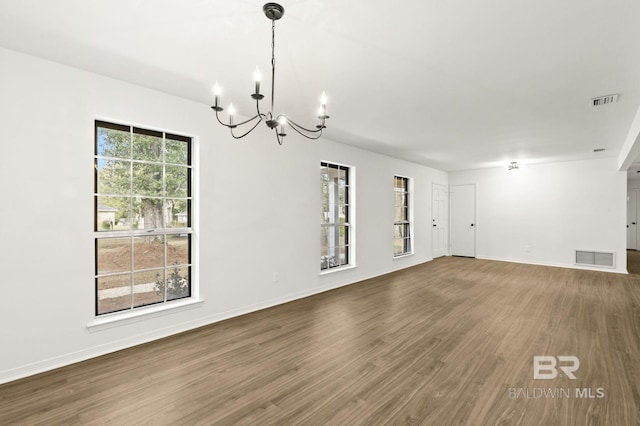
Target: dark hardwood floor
447 342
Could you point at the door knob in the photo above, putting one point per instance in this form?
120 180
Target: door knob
472 224
434 225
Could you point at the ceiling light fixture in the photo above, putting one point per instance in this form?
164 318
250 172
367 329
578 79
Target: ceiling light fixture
514 165
272 11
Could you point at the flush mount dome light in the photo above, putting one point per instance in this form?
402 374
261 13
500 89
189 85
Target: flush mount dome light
273 11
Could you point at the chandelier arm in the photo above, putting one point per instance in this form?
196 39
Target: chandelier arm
248 131
239 124
300 130
278 137
258 110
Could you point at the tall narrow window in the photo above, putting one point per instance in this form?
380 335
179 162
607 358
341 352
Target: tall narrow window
142 213
402 221
334 221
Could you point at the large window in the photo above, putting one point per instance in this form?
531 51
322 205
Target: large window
335 216
142 208
402 221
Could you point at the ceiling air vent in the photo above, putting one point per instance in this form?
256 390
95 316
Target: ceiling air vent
604 100
599 149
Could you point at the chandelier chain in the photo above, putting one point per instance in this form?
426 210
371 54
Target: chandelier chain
273 62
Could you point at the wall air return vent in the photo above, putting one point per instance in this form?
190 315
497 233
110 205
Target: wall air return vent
601 259
604 100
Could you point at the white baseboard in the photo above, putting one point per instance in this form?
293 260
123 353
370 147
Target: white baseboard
85 354
553 264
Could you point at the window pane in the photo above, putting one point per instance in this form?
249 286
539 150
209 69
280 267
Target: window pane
149 213
177 152
324 213
178 283
333 174
113 177
401 231
399 214
113 143
113 255
177 250
148 252
403 213
400 184
147 147
343 195
147 287
343 235
147 179
177 181
113 213
333 213
114 293
177 214
344 255
402 239
324 241
398 246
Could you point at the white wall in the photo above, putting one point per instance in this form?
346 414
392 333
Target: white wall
259 209
542 213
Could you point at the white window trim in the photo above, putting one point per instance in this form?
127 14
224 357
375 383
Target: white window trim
118 318
410 199
352 221
337 269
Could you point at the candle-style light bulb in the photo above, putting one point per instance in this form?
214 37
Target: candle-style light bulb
323 104
232 112
216 93
257 76
283 121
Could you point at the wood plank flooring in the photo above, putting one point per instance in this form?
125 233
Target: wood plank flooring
447 342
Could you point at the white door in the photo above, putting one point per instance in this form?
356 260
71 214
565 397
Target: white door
632 220
440 220
463 220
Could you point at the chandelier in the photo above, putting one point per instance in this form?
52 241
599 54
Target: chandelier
272 11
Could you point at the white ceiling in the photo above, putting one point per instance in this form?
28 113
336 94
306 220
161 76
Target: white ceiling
456 84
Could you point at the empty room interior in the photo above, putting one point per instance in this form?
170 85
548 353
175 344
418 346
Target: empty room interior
320 212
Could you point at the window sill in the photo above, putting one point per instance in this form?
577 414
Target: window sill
332 270
400 256
129 317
